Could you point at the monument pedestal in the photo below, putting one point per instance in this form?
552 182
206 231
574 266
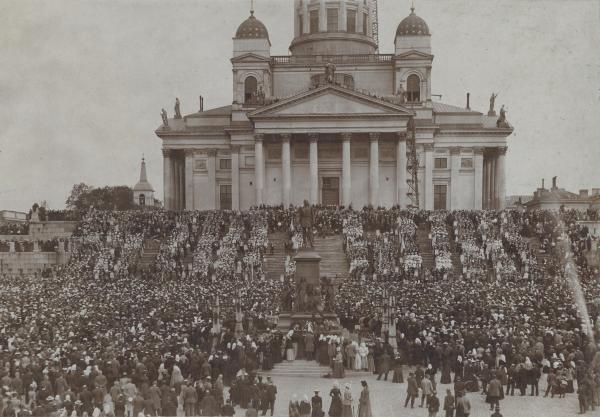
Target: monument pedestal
308 303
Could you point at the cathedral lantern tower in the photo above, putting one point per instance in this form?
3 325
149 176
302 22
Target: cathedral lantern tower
251 63
413 59
333 27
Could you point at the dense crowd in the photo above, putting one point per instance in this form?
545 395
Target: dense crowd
108 333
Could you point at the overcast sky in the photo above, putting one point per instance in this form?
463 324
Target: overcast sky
82 82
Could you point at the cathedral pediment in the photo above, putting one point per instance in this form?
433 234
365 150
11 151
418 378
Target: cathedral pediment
414 55
327 101
249 57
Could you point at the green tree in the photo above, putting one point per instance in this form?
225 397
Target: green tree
76 192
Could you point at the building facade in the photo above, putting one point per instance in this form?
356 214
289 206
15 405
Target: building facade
143 192
334 122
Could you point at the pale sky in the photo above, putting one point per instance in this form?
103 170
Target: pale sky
82 82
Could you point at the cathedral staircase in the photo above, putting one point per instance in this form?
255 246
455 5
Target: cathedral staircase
424 245
333 259
275 263
305 369
148 253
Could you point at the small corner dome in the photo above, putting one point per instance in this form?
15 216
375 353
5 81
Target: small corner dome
252 28
412 25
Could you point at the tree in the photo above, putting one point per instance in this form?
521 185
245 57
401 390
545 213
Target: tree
106 198
76 192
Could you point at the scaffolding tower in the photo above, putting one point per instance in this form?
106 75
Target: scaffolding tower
375 22
412 164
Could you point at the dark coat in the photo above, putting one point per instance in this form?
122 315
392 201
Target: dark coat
412 387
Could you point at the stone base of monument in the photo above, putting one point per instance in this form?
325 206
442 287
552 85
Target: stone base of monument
307 278
289 320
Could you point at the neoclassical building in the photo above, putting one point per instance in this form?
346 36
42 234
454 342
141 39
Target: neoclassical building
334 122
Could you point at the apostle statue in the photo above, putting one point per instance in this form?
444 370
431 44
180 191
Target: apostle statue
502 122
177 109
330 72
260 96
165 118
492 112
305 218
401 93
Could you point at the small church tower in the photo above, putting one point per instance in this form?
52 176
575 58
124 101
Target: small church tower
143 193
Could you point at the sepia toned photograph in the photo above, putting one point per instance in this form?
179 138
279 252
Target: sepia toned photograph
299 208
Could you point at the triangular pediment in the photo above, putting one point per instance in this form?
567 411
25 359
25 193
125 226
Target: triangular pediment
414 54
249 57
331 100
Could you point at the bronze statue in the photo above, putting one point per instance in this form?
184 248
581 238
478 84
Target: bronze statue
305 215
177 109
301 295
330 72
165 118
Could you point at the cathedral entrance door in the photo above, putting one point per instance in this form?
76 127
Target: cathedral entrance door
330 193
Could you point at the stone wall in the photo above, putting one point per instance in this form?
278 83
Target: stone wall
45 231
30 262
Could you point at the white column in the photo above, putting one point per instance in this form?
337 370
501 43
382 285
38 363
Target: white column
494 197
182 183
488 181
211 166
167 179
501 176
455 202
259 168
305 18
286 169
342 25
478 180
374 170
346 170
189 179
314 168
235 177
176 184
322 16
428 183
401 185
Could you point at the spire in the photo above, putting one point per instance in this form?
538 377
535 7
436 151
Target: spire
251 7
412 7
143 177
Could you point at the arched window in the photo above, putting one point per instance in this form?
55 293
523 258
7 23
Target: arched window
413 88
142 199
250 89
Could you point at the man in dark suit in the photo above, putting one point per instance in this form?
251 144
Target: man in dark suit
384 365
271 390
412 390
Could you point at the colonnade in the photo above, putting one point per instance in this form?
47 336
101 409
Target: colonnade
313 180
494 179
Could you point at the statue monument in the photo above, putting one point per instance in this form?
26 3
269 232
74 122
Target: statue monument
177 108
302 300
492 112
165 118
330 72
305 219
502 122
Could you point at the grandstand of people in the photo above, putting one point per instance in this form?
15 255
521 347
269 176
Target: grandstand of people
170 298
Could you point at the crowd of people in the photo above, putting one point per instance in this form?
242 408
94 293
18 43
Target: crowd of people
106 334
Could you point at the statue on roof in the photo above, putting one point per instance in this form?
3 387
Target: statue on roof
502 122
260 96
330 72
401 93
492 112
177 109
165 118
